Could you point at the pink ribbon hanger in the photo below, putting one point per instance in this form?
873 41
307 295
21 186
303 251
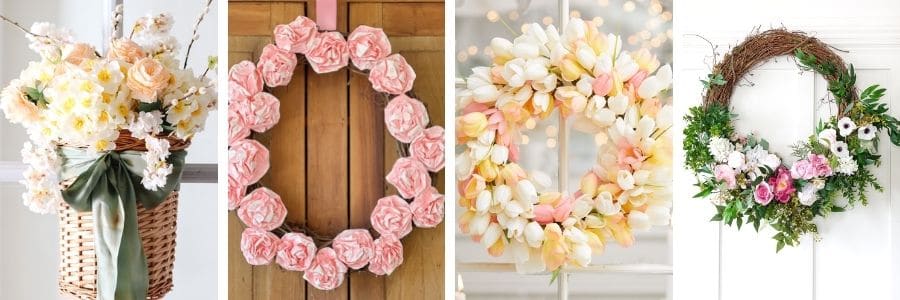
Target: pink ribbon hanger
326 14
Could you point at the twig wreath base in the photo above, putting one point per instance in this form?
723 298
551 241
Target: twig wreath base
326 261
742 177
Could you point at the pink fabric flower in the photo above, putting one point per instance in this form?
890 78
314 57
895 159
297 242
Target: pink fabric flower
763 193
354 247
368 45
258 246
326 271
276 65
428 208
388 255
803 169
262 208
543 213
428 148
783 185
726 174
295 252
248 161
602 84
820 164
327 52
237 126
236 194
410 177
392 216
405 118
392 75
244 80
296 35
263 112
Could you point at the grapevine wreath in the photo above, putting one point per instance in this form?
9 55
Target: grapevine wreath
614 95
325 262
740 174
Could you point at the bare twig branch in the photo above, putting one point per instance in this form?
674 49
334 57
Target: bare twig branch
16 24
194 36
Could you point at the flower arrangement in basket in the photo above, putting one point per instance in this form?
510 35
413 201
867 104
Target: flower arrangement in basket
108 133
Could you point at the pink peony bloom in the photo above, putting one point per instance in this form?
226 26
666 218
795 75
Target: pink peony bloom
405 118
392 75
783 185
820 164
296 35
428 208
244 80
263 112
248 162
543 213
726 174
262 208
295 251
237 126
327 52
354 247
277 65
368 45
236 194
803 169
409 176
763 193
388 255
258 246
392 216
326 272
428 148
602 84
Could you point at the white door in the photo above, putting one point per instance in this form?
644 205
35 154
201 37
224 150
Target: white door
858 256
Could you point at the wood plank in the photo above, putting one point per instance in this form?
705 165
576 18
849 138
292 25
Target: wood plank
248 18
240 274
414 19
351 1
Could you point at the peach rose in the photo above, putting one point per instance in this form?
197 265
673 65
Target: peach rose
327 52
367 46
405 118
392 75
388 255
326 272
146 79
244 80
236 194
296 35
237 126
248 161
428 208
263 112
354 247
16 107
262 208
125 50
276 65
295 252
392 216
409 176
78 52
428 148
258 246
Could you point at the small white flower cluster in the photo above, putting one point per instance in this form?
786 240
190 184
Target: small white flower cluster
157 168
48 39
146 124
152 33
41 178
720 148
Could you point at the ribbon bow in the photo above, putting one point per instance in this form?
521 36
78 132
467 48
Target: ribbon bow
110 187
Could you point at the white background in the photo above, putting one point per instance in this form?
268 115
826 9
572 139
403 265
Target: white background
28 242
857 257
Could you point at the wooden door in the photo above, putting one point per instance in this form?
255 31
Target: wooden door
330 151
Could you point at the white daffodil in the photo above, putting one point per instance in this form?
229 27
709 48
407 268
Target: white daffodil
867 132
846 126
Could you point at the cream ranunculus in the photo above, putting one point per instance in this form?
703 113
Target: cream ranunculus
146 79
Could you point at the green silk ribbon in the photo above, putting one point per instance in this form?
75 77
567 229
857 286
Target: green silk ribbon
109 185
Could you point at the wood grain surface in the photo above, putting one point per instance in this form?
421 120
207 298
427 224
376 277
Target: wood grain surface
330 151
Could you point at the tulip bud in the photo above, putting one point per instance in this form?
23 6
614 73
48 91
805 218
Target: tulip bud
589 184
483 201
488 170
659 215
499 154
479 223
638 220
502 194
605 205
625 180
491 235
534 234
525 192
472 124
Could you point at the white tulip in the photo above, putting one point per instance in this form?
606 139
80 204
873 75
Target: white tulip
535 263
483 201
613 45
534 234
545 85
651 86
499 154
536 32
491 235
581 253
502 194
479 223
646 127
638 220
583 85
604 117
501 47
664 117
478 150
618 104
541 181
523 94
625 180
594 221
541 101
536 69
526 192
585 55
483 89
514 72
515 228
659 215
575 30
513 209
582 207
605 205
625 66
557 52
519 250
487 137
464 165
525 50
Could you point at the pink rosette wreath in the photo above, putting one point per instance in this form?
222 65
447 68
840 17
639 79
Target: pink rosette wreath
267 238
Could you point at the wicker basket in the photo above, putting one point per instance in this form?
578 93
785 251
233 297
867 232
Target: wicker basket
78 262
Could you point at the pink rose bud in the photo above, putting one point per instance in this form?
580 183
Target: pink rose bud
410 177
262 208
428 148
428 208
295 252
326 272
405 118
388 255
327 52
236 194
392 75
392 216
258 246
248 161
237 126
368 45
244 80
276 65
263 112
354 247
296 36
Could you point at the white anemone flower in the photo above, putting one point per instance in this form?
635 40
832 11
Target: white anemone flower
846 126
867 132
